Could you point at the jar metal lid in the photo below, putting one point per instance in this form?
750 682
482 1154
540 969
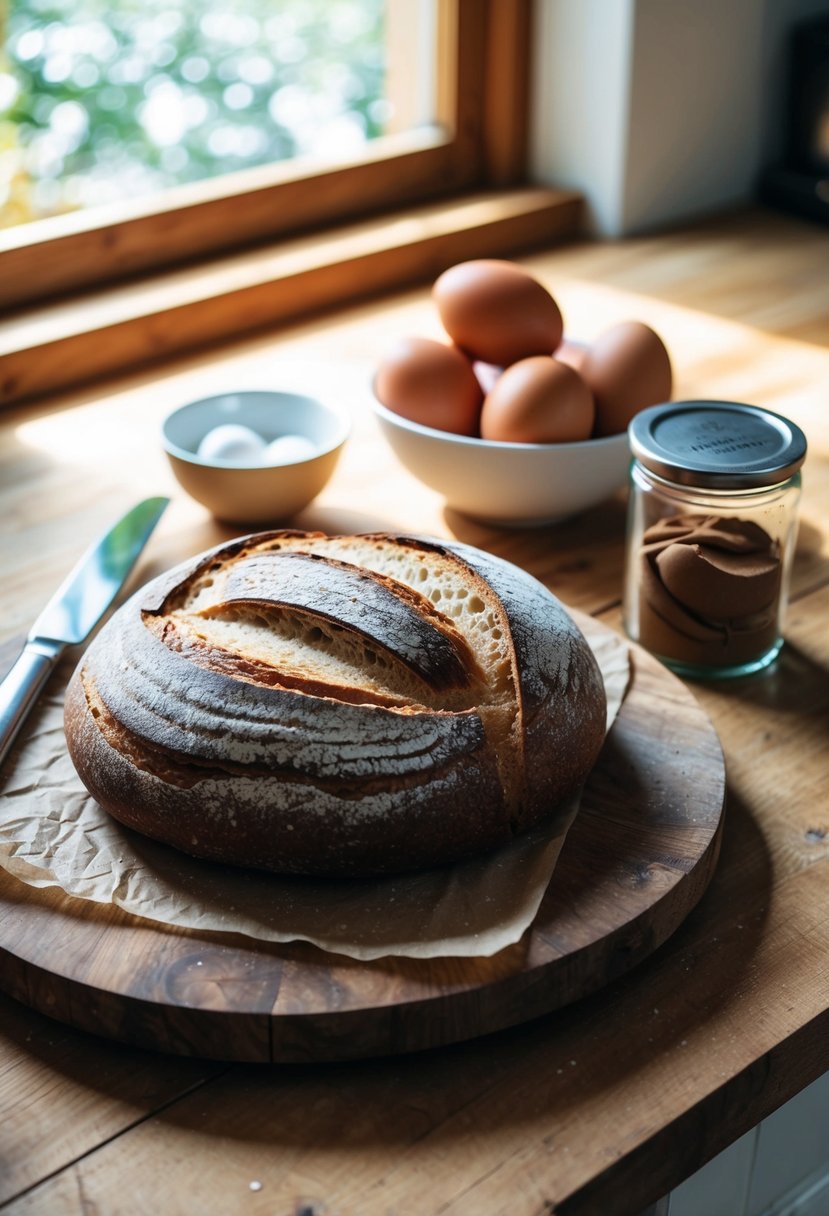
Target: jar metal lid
717 444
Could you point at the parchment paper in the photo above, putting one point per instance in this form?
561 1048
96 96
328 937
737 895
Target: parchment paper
52 833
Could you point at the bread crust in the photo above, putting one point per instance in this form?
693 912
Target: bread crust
432 737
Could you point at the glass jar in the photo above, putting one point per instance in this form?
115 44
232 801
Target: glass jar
712 525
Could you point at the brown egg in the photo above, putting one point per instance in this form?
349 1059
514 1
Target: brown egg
430 383
538 400
497 312
627 369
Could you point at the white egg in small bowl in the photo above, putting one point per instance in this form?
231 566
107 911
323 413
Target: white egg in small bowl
255 456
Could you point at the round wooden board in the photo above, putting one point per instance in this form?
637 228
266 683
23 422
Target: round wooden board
637 859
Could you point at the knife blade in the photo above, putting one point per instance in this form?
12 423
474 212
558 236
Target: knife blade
73 611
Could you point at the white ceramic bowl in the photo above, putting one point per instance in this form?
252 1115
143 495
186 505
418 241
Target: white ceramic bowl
518 484
255 493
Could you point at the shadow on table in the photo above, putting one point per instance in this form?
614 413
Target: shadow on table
542 1067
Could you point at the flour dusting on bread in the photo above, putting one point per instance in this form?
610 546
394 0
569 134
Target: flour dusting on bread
337 705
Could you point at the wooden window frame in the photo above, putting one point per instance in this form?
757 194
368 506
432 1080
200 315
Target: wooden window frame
204 262
463 149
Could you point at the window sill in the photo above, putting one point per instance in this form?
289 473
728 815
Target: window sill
81 337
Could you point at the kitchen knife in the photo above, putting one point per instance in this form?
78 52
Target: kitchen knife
73 612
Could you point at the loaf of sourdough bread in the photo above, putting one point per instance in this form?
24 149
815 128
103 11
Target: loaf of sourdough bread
345 705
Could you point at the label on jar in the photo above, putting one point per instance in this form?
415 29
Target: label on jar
709 590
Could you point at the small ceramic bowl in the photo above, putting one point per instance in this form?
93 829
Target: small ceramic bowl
255 493
512 484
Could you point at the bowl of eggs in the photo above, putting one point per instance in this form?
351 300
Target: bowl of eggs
509 420
255 456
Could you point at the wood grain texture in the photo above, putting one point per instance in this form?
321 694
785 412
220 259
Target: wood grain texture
57 344
101 1088
606 1104
638 858
507 73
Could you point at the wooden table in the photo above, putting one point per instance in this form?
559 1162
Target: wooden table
601 1107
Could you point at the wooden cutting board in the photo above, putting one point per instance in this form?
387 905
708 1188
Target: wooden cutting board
637 859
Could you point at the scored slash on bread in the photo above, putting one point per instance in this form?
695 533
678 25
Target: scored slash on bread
337 705
331 606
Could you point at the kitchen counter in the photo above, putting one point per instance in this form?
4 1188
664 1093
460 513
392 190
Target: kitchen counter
605 1105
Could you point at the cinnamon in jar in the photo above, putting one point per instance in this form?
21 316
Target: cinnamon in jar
712 525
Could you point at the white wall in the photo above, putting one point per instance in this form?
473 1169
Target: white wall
581 82
694 117
659 110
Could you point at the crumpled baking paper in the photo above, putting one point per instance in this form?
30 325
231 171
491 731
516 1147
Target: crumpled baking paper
53 834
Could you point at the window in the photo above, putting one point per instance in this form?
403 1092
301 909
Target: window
102 102
214 257
439 158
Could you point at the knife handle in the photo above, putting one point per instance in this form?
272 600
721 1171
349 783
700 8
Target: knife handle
21 688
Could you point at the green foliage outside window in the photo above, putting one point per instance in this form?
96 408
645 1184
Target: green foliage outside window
102 100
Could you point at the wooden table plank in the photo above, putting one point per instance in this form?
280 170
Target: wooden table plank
62 1093
506 1124
366 1138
